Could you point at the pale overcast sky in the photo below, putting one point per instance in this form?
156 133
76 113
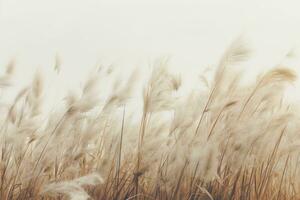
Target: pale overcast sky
193 32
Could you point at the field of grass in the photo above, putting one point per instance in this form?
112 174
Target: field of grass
224 141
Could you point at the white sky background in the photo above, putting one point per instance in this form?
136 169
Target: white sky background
130 33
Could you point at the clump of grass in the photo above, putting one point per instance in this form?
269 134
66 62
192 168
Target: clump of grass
227 141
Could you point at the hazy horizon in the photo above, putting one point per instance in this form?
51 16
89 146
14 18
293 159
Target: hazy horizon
193 34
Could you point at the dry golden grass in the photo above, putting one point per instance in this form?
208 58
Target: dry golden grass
224 141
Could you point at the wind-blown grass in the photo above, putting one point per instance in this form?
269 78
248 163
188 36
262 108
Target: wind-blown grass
226 141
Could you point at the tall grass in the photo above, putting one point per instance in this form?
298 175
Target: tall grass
225 141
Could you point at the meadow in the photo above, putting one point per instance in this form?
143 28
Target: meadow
223 141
